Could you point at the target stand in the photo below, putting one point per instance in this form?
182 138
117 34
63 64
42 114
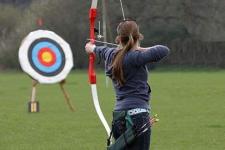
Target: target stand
47 59
33 106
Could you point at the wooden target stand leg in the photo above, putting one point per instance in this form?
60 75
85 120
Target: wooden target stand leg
33 105
66 95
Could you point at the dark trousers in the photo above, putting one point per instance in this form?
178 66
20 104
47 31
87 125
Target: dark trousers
142 142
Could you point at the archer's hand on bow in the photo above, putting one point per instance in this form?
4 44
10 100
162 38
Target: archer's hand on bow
89 47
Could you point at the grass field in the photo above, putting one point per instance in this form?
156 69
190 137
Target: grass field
190 105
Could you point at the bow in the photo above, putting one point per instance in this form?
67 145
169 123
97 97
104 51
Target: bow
91 69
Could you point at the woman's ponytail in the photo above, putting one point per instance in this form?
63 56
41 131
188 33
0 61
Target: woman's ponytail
117 65
128 35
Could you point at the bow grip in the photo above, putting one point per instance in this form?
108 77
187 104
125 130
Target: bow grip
91 71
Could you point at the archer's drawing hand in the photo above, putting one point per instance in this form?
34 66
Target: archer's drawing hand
90 47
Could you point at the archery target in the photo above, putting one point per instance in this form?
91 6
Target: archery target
45 56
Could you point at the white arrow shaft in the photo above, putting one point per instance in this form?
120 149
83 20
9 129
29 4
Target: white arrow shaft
107 43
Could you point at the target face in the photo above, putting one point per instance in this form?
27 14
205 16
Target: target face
45 56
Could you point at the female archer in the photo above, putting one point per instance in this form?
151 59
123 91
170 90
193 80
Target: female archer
126 66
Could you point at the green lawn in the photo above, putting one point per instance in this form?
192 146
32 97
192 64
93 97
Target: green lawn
190 105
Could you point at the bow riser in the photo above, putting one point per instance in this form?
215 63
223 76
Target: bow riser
92 18
91 71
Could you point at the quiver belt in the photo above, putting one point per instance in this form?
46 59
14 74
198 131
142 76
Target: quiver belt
127 137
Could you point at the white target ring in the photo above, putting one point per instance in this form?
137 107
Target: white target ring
45 56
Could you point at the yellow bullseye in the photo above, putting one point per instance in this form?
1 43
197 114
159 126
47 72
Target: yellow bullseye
46 57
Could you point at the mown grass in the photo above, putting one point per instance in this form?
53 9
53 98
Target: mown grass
190 104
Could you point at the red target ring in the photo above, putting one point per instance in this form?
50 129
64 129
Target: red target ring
46 57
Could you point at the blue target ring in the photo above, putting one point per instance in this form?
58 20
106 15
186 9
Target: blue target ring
55 48
37 63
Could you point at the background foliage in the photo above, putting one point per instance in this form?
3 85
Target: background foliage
192 32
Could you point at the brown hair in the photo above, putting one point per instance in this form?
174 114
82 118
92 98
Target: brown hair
128 35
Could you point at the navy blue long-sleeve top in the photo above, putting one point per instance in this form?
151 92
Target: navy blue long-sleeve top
136 92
